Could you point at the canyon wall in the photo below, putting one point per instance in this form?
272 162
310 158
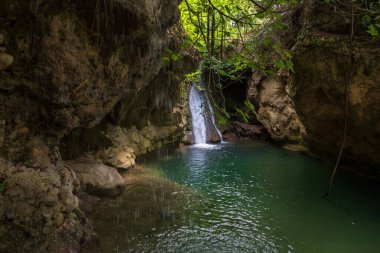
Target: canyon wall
323 66
79 79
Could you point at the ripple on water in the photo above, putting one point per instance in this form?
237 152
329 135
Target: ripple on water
239 198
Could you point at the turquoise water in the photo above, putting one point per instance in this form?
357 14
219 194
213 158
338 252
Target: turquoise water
247 197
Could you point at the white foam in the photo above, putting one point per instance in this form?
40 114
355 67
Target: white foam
206 146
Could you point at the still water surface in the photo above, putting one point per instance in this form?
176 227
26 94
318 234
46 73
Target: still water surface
246 197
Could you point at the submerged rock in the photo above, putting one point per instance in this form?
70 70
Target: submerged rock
296 148
149 203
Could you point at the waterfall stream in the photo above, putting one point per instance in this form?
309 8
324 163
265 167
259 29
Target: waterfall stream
203 122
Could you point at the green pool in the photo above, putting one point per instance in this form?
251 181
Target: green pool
246 197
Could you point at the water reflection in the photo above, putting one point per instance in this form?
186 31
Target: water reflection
196 160
246 198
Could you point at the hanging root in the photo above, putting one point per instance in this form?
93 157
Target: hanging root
346 83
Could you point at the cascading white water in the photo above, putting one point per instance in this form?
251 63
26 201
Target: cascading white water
213 120
201 114
198 117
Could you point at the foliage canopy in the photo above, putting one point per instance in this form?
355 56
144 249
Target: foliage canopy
233 35
230 30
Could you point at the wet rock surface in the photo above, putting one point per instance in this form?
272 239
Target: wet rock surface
98 179
39 211
82 68
321 63
230 136
68 69
128 143
254 132
188 138
322 83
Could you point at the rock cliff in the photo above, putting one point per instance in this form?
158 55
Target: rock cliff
275 109
321 63
74 77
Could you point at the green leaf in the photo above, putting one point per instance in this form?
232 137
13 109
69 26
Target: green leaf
166 60
192 77
266 42
221 119
199 87
227 9
372 30
250 106
280 64
223 73
289 65
260 15
243 115
175 57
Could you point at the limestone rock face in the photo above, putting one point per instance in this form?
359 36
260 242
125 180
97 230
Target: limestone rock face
67 70
322 67
127 143
40 204
275 109
98 179
318 93
87 57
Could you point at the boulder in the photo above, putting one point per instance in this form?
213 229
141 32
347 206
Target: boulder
149 132
214 137
275 110
84 71
98 179
230 136
188 138
122 158
250 131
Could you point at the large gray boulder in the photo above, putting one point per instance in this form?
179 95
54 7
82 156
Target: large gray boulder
98 179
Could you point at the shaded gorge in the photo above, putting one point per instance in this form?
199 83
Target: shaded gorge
245 197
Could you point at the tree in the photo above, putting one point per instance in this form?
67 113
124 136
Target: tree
235 35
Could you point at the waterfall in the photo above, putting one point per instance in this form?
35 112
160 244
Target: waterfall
198 120
202 115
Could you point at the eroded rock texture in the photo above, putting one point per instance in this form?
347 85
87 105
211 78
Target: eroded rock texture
322 63
319 96
39 211
275 110
71 72
74 61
